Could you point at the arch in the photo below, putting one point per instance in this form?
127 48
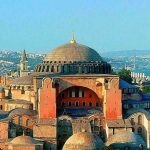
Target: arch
64 129
65 117
132 121
77 95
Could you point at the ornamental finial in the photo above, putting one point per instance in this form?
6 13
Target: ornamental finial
73 39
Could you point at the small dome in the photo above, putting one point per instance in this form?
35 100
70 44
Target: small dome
21 140
123 139
82 141
73 52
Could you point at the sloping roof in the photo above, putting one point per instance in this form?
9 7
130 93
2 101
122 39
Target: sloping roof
124 85
20 112
125 139
26 80
116 123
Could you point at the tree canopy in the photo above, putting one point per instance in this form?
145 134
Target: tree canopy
125 75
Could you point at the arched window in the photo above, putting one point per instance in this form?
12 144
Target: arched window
132 121
52 69
139 130
83 104
27 122
20 121
97 104
95 122
140 120
47 69
77 104
90 104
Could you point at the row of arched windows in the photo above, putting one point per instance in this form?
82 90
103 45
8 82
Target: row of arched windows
139 120
101 68
76 104
20 121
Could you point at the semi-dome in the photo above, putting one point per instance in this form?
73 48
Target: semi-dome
82 141
73 52
22 140
125 139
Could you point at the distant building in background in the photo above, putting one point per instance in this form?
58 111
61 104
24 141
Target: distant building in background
24 65
139 78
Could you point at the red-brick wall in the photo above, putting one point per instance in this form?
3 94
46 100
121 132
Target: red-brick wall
47 100
113 104
89 96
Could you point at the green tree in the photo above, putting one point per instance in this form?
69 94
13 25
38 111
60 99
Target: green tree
146 89
125 75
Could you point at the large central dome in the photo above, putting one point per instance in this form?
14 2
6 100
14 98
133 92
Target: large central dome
73 52
73 58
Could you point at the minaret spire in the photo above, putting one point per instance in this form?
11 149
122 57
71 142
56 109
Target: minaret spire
73 39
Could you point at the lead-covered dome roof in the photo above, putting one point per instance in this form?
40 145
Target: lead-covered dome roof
22 140
73 52
82 141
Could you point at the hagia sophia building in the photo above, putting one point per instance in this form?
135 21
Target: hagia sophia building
71 101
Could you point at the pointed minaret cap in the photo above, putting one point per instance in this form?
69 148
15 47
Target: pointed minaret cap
73 39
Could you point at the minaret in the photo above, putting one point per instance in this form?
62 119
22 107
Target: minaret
23 65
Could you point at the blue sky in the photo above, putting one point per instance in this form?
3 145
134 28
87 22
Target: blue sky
105 25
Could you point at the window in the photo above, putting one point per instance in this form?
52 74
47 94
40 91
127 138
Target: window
52 69
83 104
139 130
69 103
1 107
43 68
140 120
70 93
77 104
27 122
82 93
95 122
63 104
132 121
97 104
47 69
22 90
76 92
20 121
90 104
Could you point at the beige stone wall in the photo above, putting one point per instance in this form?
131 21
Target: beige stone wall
145 126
